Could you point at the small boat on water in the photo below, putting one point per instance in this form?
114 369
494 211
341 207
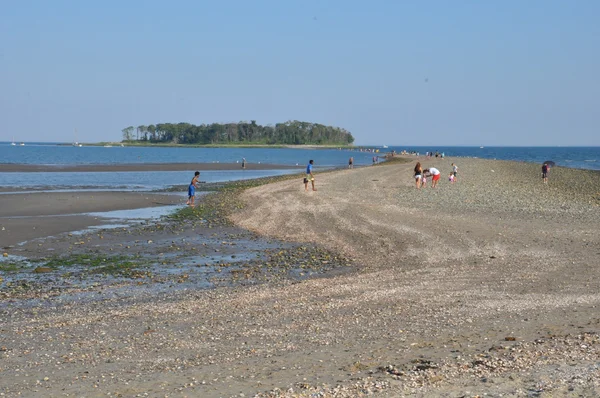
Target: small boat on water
75 143
13 141
385 146
22 144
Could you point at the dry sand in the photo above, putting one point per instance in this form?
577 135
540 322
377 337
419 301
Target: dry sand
488 286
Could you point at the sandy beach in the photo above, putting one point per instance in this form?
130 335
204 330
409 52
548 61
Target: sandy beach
486 286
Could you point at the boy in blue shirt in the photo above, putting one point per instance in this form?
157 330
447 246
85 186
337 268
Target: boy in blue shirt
309 176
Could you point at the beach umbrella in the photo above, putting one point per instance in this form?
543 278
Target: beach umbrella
550 163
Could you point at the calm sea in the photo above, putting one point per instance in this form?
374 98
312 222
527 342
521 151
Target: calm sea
574 157
54 154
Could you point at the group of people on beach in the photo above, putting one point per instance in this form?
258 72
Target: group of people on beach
421 175
196 180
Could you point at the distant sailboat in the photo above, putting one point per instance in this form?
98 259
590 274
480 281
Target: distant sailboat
13 141
385 147
75 143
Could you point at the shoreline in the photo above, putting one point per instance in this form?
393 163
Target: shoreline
133 167
457 290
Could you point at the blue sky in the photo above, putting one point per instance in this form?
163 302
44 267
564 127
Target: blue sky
391 72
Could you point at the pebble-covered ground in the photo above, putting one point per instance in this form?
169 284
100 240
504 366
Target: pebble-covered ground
497 269
486 287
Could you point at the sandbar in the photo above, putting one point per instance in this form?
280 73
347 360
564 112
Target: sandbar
486 286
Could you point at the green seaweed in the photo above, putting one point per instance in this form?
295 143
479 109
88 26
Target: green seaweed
83 260
10 267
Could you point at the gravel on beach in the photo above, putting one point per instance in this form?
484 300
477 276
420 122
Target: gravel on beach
486 286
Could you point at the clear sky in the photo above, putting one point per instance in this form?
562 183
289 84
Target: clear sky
391 72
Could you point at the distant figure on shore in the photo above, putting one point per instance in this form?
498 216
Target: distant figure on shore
418 174
435 175
545 168
374 160
243 163
454 171
309 176
351 163
192 189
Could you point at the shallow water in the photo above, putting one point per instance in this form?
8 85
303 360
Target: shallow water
135 180
148 213
240 264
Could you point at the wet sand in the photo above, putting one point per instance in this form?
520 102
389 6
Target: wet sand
26 216
487 286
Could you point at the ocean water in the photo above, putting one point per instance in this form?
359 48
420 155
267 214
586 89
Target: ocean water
54 154
573 157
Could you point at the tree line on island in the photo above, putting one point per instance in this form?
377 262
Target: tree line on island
288 133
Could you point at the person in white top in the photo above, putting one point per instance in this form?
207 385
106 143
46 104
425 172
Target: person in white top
455 171
435 175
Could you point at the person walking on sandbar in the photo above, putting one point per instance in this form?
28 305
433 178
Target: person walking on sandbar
545 168
309 176
455 172
192 189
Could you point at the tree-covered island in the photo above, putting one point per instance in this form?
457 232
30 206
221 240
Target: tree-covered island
242 133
